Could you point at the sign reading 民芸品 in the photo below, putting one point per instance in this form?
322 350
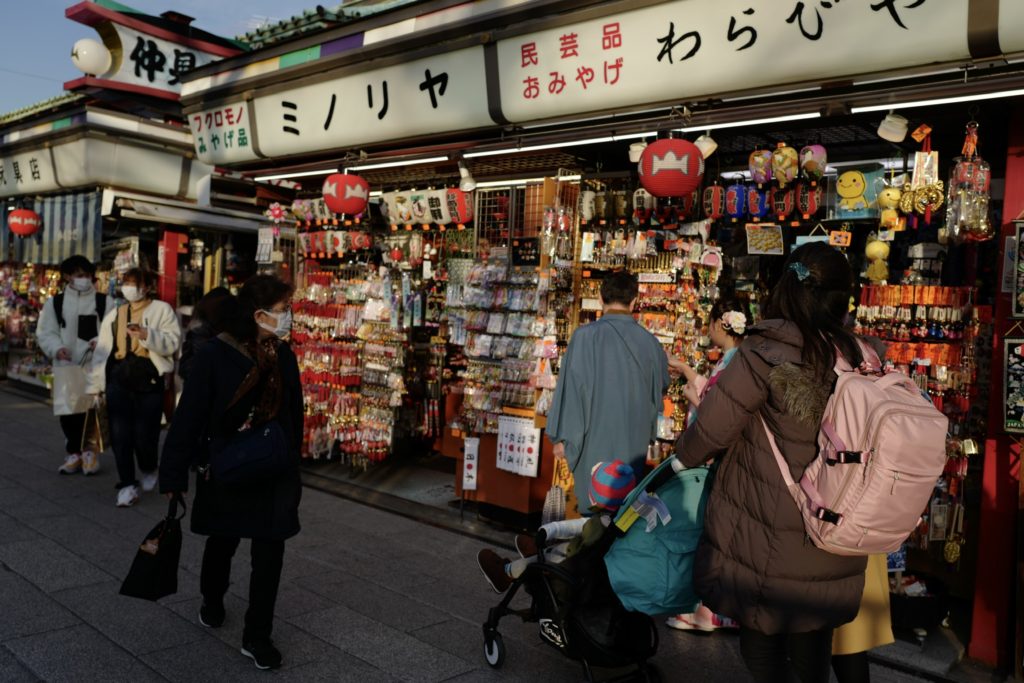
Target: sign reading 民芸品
443 92
698 48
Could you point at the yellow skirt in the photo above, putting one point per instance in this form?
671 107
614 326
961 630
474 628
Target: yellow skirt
873 625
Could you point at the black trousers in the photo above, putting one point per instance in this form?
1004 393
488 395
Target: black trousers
134 429
805 657
73 426
851 668
267 558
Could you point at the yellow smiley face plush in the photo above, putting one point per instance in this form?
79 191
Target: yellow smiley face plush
851 186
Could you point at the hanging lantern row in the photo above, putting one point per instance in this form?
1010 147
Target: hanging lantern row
784 164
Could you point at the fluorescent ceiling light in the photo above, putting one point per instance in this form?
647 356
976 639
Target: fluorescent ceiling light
508 183
297 174
558 145
750 122
376 193
938 101
394 164
780 93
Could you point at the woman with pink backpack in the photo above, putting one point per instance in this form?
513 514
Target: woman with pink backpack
755 563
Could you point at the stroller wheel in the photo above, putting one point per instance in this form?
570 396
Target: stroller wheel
494 650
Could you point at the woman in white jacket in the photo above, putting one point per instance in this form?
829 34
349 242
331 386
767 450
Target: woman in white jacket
136 349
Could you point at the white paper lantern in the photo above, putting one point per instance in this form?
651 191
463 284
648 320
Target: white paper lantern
91 57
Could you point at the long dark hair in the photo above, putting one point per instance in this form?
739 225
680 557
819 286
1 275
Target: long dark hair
261 292
211 307
814 294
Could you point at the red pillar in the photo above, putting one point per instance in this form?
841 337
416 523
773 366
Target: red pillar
992 628
170 244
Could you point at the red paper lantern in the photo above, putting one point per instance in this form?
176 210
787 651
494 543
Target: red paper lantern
346 193
24 222
360 240
671 168
714 202
783 200
808 199
460 205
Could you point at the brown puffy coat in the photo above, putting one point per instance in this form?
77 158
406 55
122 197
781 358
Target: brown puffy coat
755 563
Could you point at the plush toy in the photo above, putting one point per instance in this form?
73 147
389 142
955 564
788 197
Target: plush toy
888 203
877 251
851 186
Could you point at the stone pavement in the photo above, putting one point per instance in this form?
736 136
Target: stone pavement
366 595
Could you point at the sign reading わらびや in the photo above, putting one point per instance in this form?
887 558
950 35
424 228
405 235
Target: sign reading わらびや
694 48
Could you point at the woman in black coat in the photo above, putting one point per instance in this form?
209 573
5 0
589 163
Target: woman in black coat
246 376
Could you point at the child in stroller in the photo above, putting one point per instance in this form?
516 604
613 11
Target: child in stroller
571 596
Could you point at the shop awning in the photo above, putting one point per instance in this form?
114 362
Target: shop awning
170 212
71 225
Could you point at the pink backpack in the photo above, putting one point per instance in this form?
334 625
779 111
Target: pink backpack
881 448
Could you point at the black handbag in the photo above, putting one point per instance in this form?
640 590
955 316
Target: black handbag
154 572
256 453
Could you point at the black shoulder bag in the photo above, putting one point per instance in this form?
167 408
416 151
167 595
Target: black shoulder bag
254 453
154 572
134 373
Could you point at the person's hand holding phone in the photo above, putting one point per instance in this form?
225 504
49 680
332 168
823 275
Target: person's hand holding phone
137 331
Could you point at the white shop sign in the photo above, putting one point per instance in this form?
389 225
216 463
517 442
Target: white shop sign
697 48
91 161
439 93
518 445
470 463
150 62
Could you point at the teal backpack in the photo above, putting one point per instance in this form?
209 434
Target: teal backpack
651 564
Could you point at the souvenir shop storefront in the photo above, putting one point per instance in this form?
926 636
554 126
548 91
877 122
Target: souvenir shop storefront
119 190
443 260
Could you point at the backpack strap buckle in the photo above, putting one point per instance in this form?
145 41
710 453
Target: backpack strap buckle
826 515
846 458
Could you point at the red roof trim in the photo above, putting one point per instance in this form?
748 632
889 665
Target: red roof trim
91 14
106 84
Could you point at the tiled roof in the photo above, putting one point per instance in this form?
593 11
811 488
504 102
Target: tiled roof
319 19
40 107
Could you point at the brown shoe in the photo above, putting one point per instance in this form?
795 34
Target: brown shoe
525 545
493 567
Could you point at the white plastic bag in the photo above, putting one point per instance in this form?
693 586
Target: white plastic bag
69 397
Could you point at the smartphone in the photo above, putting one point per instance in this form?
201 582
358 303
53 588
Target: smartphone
134 326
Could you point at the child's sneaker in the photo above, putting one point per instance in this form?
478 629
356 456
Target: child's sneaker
724 622
72 464
493 568
688 622
127 496
90 463
525 545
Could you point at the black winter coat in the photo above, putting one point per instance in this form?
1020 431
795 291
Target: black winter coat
264 509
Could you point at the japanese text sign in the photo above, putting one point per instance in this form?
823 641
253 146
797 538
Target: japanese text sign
151 62
693 48
518 445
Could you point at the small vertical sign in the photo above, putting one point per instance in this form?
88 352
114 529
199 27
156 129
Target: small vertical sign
470 459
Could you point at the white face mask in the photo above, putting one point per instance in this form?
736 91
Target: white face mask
131 293
81 284
284 323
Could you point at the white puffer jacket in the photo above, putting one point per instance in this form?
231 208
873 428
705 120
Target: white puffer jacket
162 342
52 337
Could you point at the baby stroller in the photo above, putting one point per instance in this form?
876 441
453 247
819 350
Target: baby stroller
578 611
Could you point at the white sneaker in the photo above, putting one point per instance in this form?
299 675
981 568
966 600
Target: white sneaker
72 464
127 496
90 463
149 480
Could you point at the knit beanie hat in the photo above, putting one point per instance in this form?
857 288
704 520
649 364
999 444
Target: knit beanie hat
610 483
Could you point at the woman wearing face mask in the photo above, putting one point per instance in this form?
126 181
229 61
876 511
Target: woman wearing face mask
136 347
245 377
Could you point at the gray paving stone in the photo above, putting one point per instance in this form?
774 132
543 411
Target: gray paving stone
13 530
341 669
12 671
49 566
292 600
385 648
21 503
136 625
208 659
84 655
25 610
371 600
